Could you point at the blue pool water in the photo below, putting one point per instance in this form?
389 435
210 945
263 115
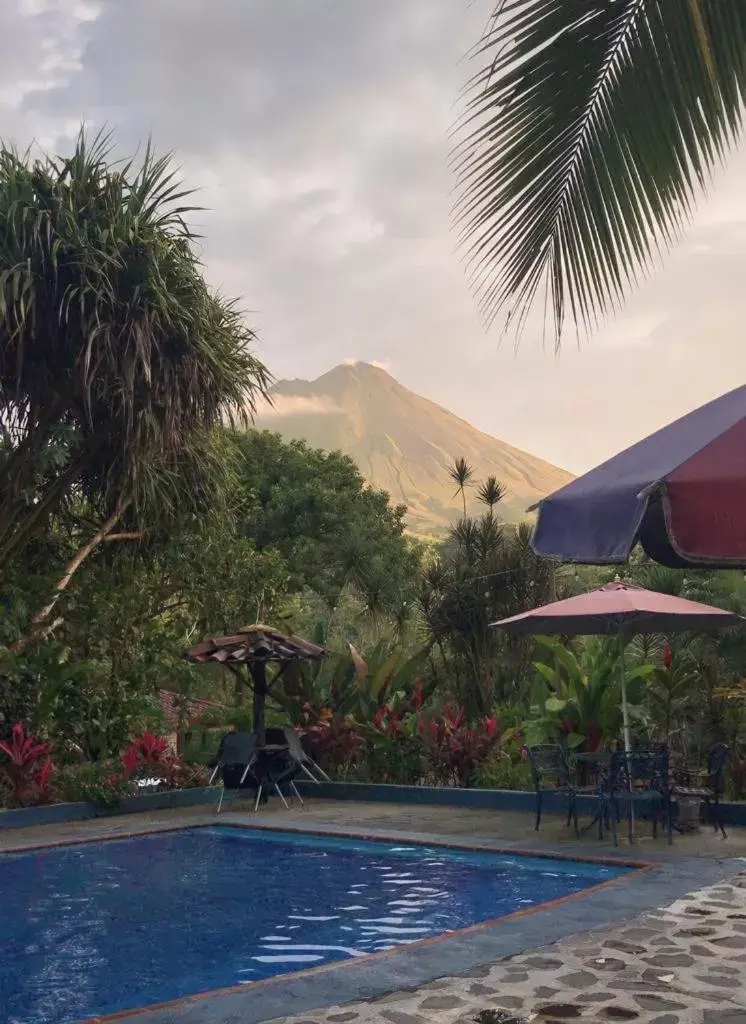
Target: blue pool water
108 926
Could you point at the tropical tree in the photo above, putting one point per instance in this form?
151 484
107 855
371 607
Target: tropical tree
333 530
461 473
588 132
486 571
116 357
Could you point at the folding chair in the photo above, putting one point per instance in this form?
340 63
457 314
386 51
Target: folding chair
305 762
237 756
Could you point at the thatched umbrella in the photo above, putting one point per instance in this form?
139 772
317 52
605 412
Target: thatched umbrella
254 647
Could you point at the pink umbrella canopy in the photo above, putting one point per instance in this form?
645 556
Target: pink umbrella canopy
619 609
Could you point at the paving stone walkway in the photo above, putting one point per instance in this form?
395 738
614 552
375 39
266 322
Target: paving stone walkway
684 964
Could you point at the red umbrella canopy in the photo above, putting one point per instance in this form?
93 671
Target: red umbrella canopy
619 608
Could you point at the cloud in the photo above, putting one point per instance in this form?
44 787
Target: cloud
283 406
318 133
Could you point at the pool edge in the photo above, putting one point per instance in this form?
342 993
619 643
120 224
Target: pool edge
639 868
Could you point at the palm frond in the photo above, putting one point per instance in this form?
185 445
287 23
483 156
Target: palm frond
587 135
491 492
460 472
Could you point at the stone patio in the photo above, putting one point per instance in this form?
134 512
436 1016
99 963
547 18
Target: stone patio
612 955
684 964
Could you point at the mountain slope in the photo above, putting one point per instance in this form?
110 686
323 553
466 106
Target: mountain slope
405 444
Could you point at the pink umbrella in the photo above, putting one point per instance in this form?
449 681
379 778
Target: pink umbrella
619 609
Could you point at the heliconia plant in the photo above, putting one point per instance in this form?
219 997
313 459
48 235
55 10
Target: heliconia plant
26 764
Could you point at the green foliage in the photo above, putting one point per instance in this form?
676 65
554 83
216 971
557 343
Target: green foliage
332 530
504 770
99 782
115 356
348 685
588 132
485 571
579 697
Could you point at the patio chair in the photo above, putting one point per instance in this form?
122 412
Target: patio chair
707 785
277 767
307 764
640 777
236 757
549 764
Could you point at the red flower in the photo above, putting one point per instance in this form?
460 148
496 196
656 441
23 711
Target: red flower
489 724
417 695
667 656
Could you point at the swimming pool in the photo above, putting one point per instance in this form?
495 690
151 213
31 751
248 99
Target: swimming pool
101 927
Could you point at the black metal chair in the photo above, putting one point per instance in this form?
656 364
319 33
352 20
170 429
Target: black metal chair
235 759
640 777
277 766
549 764
707 786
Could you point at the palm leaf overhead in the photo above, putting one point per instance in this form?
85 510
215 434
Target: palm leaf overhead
587 135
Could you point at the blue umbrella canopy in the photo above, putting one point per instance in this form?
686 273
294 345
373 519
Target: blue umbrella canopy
681 493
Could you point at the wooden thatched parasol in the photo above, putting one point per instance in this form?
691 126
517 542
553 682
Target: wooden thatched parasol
255 647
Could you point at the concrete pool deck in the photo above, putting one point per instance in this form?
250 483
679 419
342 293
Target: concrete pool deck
665 946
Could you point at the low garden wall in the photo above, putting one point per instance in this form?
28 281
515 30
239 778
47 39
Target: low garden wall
473 799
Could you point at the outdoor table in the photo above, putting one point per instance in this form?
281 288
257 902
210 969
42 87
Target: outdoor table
599 763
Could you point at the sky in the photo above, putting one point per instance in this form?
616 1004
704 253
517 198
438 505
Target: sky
317 134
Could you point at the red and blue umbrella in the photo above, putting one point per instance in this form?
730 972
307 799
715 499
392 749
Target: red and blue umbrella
680 493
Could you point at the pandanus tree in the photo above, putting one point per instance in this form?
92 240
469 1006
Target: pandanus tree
588 132
116 358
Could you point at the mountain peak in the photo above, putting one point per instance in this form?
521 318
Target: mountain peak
404 443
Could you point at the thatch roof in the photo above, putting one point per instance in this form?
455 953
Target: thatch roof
252 644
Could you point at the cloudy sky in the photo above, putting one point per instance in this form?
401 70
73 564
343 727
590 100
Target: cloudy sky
317 133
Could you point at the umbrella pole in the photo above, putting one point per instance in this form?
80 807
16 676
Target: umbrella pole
627 741
625 707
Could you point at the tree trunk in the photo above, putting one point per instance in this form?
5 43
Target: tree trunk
15 527
36 629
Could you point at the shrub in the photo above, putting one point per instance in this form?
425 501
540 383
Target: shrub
149 755
333 742
502 771
26 768
393 750
98 782
453 749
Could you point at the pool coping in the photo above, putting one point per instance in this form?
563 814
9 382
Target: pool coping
417 963
733 813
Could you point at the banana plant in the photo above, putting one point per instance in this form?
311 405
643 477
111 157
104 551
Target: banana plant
347 684
579 697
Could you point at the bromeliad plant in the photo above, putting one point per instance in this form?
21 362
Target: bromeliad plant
579 697
149 756
26 768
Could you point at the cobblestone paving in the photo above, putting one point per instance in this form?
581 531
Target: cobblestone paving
685 964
